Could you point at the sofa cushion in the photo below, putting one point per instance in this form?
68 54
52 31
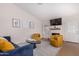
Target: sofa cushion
26 50
8 38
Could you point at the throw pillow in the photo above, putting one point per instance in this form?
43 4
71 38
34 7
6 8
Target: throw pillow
5 45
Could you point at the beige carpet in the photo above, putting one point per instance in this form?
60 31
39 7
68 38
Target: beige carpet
69 49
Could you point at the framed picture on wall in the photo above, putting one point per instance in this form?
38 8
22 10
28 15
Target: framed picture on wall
31 25
25 24
16 22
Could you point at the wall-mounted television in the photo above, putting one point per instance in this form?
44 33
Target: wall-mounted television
57 21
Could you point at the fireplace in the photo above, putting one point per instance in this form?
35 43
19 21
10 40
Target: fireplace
55 33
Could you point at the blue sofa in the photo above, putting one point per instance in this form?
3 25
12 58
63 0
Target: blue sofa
26 50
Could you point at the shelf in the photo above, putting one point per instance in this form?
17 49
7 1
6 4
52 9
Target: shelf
55 28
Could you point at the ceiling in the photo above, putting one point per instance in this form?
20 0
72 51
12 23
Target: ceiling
47 11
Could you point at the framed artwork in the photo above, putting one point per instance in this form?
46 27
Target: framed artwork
25 24
31 25
16 22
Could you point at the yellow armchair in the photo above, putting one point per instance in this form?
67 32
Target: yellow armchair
36 36
56 40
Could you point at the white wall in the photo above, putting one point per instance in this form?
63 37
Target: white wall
71 28
45 28
9 11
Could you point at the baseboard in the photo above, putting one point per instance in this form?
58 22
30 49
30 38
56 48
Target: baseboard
72 42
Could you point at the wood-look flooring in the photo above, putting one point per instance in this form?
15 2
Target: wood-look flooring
69 49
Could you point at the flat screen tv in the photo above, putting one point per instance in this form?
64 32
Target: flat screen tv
57 21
